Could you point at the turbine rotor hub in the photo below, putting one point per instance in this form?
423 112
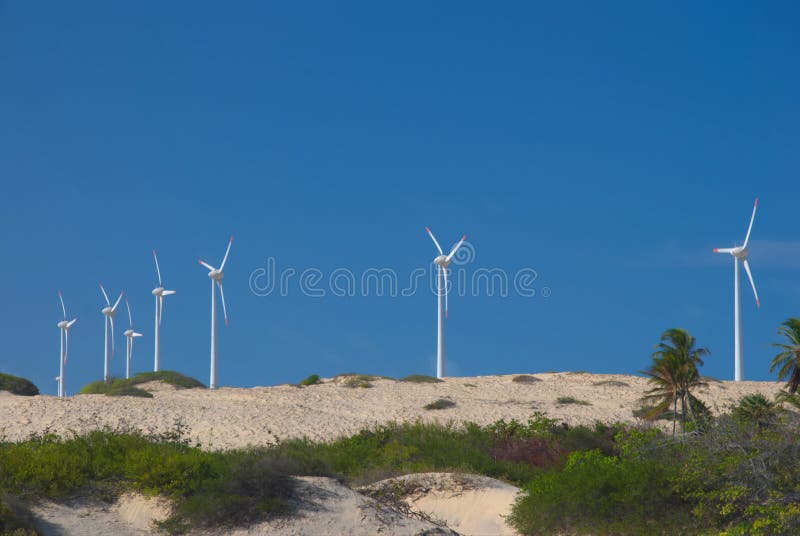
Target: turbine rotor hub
442 261
158 291
216 275
108 311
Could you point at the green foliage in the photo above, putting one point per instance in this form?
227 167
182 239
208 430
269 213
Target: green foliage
420 378
788 360
311 380
15 518
757 409
572 400
440 403
361 381
17 386
611 383
525 378
127 387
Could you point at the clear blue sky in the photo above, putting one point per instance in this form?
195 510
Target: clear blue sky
608 146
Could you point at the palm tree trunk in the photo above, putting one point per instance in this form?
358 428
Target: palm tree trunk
674 413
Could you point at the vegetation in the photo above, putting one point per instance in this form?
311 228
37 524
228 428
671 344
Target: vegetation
127 387
15 518
673 374
572 400
311 380
17 386
420 378
788 360
361 381
611 383
525 378
441 403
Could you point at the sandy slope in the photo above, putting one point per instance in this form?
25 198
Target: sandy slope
231 417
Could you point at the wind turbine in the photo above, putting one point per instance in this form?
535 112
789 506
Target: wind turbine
130 334
442 262
739 253
216 278
63 327
108 312
159 292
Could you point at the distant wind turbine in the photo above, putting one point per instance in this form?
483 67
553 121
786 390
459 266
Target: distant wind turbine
216 278
63 327
442 262
740 253
130 335
159 292
108 312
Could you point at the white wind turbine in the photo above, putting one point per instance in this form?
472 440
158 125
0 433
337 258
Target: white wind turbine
159 292
216 279
130 335
63 327
108 312
442 262
739 253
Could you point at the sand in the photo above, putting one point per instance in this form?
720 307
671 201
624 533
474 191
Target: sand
231 418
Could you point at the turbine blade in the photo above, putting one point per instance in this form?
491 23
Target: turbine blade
225 258
435 241
63 309
168 292
69 324
112 334
135 334
723 250
66 345
105 295
455 248
158 270
222 298
116 303
210 268
750 227
160 308
752 283
130 317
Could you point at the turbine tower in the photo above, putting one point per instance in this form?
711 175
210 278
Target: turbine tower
442 262
159 292
63 327
216 279
739 253
130 335
108 312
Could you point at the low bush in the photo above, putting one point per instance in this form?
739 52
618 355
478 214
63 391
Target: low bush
420 378
525 378
127 387
311 380
572 400
611 383
17 386
441 403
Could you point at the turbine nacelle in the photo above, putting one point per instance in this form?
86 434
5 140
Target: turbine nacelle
216 275
108 311
158 291
740 252
63 324
128 333
442 261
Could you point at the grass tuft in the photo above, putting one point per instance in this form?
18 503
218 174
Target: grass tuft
572 400
17 386
441 403
611 383
420 378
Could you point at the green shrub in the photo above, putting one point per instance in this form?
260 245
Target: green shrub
17 386
610 383
572 400
525 378
362 381
311 380
15 518
441 403
420 378
126 387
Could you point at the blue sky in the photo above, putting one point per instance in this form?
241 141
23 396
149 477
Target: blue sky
607 146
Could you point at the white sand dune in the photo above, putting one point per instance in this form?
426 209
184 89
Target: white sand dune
233 417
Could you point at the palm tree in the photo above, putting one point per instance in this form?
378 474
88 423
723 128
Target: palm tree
789 359
674 374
